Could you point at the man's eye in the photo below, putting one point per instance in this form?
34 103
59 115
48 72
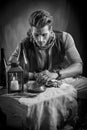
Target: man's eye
44 35
36 35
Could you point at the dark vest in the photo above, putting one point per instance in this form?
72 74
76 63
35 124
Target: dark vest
55 59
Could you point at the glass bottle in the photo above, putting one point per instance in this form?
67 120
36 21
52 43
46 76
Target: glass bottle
3 69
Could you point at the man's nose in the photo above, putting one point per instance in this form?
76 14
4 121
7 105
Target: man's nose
40 38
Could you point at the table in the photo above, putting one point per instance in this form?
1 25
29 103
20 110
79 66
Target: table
49 110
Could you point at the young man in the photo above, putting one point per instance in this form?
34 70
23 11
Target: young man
45 53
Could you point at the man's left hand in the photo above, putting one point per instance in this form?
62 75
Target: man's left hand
47 75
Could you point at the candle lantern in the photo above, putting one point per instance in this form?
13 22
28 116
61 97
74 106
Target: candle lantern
14 78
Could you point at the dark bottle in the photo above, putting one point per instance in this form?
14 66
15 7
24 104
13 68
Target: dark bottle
24 64
3 69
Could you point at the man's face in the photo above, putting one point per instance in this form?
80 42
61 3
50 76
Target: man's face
41 35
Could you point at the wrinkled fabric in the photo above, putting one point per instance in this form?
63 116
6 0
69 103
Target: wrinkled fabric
45 111
80 83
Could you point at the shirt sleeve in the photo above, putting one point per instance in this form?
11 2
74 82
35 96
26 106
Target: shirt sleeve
70 49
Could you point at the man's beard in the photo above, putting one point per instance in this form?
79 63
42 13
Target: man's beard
41 44
46 45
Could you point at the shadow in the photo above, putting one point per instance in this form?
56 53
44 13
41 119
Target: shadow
2 120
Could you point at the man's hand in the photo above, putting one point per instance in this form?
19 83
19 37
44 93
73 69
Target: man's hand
45 76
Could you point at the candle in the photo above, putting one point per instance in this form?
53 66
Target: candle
14 84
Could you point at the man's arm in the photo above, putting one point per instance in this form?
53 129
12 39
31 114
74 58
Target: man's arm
71 71
76 65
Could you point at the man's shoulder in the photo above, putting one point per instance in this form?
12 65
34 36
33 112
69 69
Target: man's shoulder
63 35
57 32
26 42
60 32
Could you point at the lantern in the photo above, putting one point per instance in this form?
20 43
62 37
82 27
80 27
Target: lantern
14 78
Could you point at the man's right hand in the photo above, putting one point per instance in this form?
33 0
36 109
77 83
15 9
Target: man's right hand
45 76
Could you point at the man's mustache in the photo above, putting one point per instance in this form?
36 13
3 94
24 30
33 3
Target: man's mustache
41 43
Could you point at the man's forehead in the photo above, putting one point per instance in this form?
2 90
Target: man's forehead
40 30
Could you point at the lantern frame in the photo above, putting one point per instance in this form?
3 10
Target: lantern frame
17 82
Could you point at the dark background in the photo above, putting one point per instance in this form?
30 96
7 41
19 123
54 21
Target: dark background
69 16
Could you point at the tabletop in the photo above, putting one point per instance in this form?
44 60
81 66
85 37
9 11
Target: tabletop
48 110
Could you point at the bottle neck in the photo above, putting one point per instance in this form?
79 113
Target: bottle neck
3 61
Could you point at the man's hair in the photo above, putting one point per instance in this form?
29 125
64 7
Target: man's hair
40 18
